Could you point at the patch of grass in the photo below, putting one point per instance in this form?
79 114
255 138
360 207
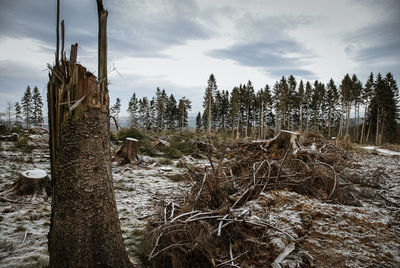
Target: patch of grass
172 152
165 161
136 244
176 177
6 246
145 145
179 165
23 145
113 137
130 132
18 159
20 228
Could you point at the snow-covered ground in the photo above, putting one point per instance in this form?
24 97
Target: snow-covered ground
24 224
380 150
327 234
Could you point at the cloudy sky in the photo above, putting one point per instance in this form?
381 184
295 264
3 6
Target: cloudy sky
177 44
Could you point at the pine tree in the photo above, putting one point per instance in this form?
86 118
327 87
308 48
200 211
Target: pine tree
9 108
215 113
171 113
277 105
223 110
300 100
284 100
184 106
384 111
198 122
307 100
331 99
292 106
18 112
345 97
391 82
204 121
316 102
116 108
235 103
26 103
133 111
144 114
208 99
153 112
367 94
161 103
247 101
356 98
37 108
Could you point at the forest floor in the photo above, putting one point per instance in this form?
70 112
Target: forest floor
330 234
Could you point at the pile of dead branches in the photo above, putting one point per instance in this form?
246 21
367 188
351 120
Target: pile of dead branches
215 226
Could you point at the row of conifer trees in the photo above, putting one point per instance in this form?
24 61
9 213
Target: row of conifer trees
29 111
368 112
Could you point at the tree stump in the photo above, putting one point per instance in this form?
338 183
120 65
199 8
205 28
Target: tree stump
33 182
127 154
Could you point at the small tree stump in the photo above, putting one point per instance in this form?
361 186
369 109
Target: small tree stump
127 154
32 182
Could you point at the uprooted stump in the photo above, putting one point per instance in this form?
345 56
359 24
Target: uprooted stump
33 182
223 220
127 153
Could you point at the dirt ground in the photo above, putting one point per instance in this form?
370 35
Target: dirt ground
326 234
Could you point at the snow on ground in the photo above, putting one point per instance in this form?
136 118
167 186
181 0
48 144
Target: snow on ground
381 150
24 225
328 235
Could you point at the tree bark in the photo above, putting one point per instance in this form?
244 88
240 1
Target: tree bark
307 117
329 121
239 122
262 120
363 125
301 118
369 130
377 127
340 132
348 118
84 229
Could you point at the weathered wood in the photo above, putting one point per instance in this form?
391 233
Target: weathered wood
74 53
58 33
62 40
102 44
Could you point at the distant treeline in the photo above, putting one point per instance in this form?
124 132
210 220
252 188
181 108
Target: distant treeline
29 111
244 112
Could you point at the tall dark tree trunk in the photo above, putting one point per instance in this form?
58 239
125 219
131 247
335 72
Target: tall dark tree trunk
363 124
84 225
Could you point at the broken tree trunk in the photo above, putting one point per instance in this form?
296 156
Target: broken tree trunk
127 154
84 225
